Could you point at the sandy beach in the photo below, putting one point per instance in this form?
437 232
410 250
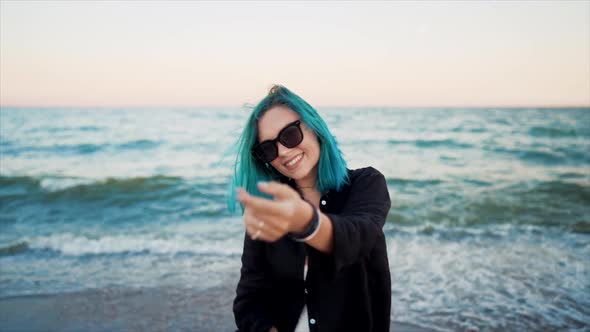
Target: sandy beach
159 309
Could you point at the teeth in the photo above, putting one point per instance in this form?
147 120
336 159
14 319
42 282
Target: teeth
294 160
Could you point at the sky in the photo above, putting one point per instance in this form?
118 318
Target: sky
334 53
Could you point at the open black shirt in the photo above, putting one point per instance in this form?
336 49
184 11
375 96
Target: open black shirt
347 290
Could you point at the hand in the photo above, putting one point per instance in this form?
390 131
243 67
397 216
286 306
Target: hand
273 329
269 220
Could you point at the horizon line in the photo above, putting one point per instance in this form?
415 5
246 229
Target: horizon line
248 105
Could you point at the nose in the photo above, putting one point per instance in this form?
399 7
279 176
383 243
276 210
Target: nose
282 149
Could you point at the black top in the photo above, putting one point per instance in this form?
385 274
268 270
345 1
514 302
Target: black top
347 290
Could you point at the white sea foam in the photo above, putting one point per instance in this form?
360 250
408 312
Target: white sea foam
76 245
57 184
435 279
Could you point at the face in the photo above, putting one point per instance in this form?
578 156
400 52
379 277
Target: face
299 162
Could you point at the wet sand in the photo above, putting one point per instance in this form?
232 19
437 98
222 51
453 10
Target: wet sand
154 309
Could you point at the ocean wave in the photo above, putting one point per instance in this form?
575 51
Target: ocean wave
552 132
14 249
56 183
545 203
14 185
447 143
553 157
558 204
582 227
68 244
467 129
64 129
420 183
81 189
14 149
141 144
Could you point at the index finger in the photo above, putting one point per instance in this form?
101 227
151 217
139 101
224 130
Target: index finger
277 190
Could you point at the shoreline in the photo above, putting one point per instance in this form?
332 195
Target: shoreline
127 309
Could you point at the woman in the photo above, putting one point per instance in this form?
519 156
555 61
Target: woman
314 254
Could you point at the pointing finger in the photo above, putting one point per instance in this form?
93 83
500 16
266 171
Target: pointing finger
277 190
259 204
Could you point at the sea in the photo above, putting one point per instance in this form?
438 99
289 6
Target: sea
489 227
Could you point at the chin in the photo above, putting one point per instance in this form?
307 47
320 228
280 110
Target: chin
300 173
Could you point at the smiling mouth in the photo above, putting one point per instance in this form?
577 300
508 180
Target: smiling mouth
294 161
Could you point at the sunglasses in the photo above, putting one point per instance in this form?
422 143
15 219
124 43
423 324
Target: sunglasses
290 137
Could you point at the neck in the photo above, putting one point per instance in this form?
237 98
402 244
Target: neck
305 185
308 182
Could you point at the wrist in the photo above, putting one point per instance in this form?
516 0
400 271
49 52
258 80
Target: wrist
312 227
304 217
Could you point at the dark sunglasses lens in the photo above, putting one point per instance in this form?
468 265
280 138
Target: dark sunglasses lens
267 151
291 136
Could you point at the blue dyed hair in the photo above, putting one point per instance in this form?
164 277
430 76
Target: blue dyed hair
248 170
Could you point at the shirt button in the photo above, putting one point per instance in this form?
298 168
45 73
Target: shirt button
305 290
312 321
323 202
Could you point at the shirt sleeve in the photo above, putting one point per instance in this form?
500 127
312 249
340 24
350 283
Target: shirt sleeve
251 311
357 228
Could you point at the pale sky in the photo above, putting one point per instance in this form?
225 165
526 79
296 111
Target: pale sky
337 53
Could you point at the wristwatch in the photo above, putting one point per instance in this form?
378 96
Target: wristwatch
311 230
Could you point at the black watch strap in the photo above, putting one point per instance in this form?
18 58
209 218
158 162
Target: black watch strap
311 229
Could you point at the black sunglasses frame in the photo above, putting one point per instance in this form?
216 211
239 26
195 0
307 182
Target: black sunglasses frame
260 155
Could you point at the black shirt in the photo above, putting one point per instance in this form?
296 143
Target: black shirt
347 290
